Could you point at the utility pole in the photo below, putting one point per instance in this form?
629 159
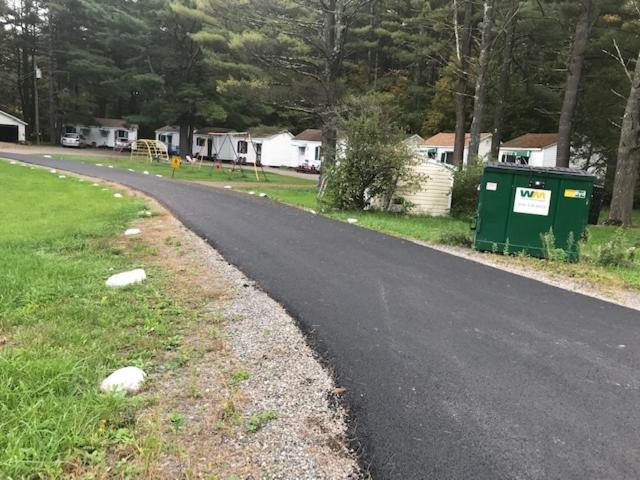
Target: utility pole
36 110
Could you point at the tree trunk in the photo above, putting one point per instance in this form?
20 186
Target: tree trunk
503 83
628 163
53 135
463 53
332 58
574 74
186 132
481 80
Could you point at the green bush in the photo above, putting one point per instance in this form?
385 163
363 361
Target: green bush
372 161
464 196
615 253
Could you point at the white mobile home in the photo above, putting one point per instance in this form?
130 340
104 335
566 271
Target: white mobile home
170 136
306 148
105 132
12 129
535 149
271 149
440 147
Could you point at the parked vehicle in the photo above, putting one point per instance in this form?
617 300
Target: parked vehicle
73 140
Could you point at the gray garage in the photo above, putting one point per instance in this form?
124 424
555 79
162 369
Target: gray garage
12 129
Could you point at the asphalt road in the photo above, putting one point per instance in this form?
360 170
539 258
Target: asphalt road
455 370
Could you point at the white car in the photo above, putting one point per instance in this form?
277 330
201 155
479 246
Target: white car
73 140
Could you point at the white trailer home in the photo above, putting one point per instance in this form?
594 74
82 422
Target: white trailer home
105 132
440 147
535 149
12 129
307 148
271 149
170 136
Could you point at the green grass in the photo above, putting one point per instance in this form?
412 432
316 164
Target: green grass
419 227
63 329
188 172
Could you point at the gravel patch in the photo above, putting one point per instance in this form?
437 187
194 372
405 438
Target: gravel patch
625 297
308 438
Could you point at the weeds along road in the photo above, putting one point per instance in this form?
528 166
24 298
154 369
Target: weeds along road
454 370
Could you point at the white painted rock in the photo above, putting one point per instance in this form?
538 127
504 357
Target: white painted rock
145 172
81 179
127 278
126 380
227 186
12 162
53 171
99 165
131 169
62 176
117 195
95 185
158 175
252 193
262 195
47 156
352 220
110 166
312 211
132 231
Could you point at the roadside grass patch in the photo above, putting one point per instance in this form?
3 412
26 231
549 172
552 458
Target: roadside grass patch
258 421
187 171
65 331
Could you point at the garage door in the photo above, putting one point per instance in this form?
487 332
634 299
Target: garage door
9 133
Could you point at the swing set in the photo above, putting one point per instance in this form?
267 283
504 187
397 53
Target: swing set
237 160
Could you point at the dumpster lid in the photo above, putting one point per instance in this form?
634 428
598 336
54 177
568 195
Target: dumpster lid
529 169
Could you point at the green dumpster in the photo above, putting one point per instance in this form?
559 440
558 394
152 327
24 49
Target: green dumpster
518 204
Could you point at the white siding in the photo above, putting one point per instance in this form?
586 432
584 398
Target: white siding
549 155
433 197
6 119
303 152
276 151
175 138
103 136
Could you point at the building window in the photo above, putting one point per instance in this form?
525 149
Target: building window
432 153
122 134
258 153
515 158
317 154
242 146
446 157
200 141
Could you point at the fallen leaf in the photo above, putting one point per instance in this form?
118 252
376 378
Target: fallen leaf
338 391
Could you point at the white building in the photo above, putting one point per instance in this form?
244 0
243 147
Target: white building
270 148
12 129
440 147
105 132
535 149
170 136
306 148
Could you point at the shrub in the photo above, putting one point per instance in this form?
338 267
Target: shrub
459 239
373 160
464 196
551 252
615 253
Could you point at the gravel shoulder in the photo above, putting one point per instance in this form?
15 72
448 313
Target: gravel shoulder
243 364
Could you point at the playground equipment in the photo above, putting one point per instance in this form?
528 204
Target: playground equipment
217 148
149 150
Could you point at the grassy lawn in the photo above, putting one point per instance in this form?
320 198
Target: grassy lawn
449 230
62 330
188 172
